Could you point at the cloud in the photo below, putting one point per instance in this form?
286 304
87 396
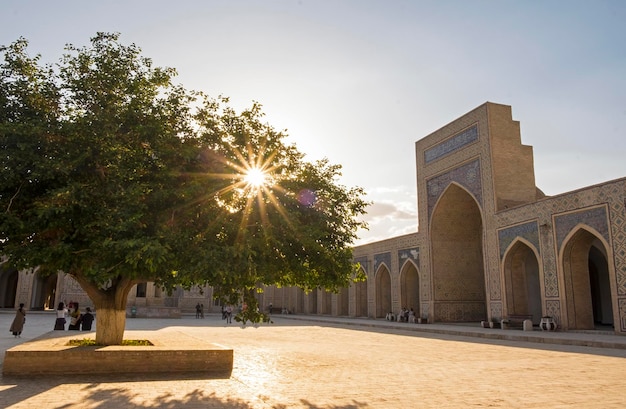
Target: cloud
381 211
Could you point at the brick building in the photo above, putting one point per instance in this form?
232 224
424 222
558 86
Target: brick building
490 245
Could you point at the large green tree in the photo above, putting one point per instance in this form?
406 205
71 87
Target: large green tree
115 175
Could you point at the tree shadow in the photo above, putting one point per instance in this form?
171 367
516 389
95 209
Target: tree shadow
93 391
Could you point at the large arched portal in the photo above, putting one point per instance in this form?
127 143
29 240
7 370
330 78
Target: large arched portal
521 281
587 284
410 287
383 292
8 287
457 258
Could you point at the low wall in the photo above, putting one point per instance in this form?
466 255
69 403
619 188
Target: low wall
172 353
153 312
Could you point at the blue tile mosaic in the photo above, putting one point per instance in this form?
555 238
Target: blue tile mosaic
363 262
467 176
409 254
595 218
452 144
528 231
380 259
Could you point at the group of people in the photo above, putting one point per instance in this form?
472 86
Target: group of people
199 310
405 315
78 321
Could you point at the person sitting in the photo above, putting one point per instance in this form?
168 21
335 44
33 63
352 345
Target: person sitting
86 320
412 316
74 318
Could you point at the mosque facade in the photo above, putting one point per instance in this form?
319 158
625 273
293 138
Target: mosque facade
490 245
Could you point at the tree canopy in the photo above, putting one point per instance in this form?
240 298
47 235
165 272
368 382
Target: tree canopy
116 175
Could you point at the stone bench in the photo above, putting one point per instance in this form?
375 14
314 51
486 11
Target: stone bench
515 321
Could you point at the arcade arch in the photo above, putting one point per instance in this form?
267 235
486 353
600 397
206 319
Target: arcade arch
8 287
586 280
360 296
456 233
410 287
521 281
44 292
383 291
327 302
343 302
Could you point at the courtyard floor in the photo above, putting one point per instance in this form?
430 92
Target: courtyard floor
341 363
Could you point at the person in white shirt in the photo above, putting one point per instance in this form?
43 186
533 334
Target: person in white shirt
59 324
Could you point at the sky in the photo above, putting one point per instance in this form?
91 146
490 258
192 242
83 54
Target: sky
360 81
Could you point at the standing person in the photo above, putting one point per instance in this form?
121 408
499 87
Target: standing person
197 310
59 324
229 314
74 318
86 320
18 322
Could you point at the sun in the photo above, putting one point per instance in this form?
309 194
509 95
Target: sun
255 177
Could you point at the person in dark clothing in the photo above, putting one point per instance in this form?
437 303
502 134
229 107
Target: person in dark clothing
18 322
86 320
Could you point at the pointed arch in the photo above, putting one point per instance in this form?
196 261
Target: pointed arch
326 302
383 291
43 292
521 278
360 296
586 279
310 305
458 272
343 302
8 286
410 287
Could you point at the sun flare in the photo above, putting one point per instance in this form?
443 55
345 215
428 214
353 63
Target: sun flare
255 177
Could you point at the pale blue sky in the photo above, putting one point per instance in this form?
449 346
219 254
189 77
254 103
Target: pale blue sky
360 81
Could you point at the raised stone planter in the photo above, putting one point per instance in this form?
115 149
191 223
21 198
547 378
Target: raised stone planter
172 353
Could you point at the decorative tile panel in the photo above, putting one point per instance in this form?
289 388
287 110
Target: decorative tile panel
622 314
553 309
380 259
596 218
467 175
452 144
496 310
409 254
363 262
528 231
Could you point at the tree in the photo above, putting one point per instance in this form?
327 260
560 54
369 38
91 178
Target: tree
115 175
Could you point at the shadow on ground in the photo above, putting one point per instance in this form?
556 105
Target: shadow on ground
94 392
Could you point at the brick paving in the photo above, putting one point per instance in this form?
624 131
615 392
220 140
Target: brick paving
314 362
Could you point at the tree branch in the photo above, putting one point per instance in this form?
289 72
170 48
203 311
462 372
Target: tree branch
13 197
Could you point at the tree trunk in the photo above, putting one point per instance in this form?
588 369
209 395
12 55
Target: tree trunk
110 304
110 324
